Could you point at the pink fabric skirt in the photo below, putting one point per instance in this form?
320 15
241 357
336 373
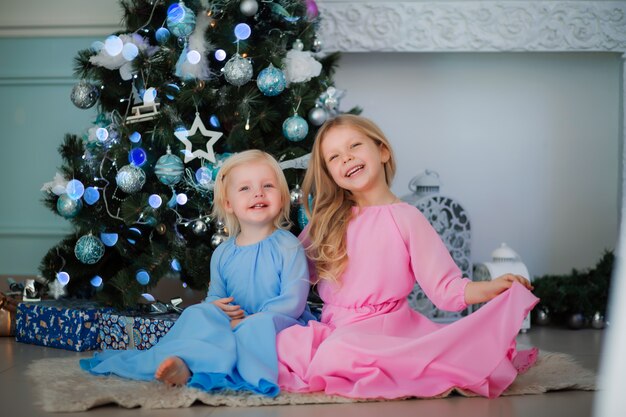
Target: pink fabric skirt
390 351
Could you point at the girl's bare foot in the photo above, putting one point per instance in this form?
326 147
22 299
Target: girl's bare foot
173 371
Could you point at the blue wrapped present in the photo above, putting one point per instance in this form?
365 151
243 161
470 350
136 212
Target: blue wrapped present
64 324
119 331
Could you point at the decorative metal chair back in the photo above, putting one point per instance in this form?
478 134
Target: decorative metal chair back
451 221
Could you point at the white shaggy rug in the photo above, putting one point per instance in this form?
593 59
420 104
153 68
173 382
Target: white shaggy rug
62 386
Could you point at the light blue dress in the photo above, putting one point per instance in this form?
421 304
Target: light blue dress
270 281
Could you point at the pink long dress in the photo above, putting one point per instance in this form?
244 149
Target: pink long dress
371 344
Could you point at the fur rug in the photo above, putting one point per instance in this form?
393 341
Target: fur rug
62 386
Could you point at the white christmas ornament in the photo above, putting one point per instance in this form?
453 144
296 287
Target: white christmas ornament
183 136
56 186
112 62
300 66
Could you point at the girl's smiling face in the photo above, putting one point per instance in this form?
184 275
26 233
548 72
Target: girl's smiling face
253 194
354 161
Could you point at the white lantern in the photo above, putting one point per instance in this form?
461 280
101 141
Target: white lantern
451 222
504 261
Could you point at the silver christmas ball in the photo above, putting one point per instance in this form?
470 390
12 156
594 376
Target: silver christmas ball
597 321
317 116
296 195
217 239
130 179
576 321
542 317
84 95
298 45
249 7
317 45
238 70
199 228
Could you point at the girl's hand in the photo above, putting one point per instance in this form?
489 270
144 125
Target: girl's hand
235 322
232 311
483 291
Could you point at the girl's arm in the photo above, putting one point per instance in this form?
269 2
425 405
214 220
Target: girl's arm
483 291
294 282
434 269
217 290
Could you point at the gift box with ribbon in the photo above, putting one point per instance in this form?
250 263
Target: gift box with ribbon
138 329
64 324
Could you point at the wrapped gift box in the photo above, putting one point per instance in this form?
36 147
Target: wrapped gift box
119 331
64 324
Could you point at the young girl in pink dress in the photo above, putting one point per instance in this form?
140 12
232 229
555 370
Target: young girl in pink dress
366 249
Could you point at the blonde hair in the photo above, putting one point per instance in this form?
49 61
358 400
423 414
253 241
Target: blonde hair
219 192
330 211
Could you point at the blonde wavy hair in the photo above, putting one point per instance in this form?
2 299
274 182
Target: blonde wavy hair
330 212
219 192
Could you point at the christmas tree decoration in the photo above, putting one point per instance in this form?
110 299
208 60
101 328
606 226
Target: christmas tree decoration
135 137
91 196
296 196
242 31
317 45
330 100
89 249
169 169
181 20
271 81
295 128
63 278
111 57
303 220
84 95
238 70
576 321
181 199
220 55
183 136
204 176
143 113
199 228
300 66
75 189
541 316
249 7
220 234
155 201
175 264
130 179
597 321
68 207
57 290
312 11
143 277
162 35
109 239
317 116
96 281
193 63
137 157
56 186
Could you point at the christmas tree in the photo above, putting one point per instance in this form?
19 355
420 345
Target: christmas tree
180 89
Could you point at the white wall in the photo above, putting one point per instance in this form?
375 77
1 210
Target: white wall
528 143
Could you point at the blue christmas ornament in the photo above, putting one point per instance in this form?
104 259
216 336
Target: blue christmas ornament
142 277
242 31
135 137
63 278
162 35
137 156
155 201
169 168
96 281
175 265
214 121
271 81
181 20
109 239
91 196
67 207
171 91
295 128
89 249
74 189
148 297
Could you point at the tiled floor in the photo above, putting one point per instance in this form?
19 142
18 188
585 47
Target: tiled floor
17 395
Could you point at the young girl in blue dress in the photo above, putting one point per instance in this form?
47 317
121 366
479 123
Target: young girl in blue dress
259 286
